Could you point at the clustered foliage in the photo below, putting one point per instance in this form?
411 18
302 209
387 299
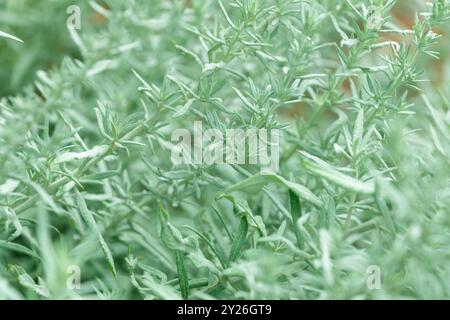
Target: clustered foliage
359 90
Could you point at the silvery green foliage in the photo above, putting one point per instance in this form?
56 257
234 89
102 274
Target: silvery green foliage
359 93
